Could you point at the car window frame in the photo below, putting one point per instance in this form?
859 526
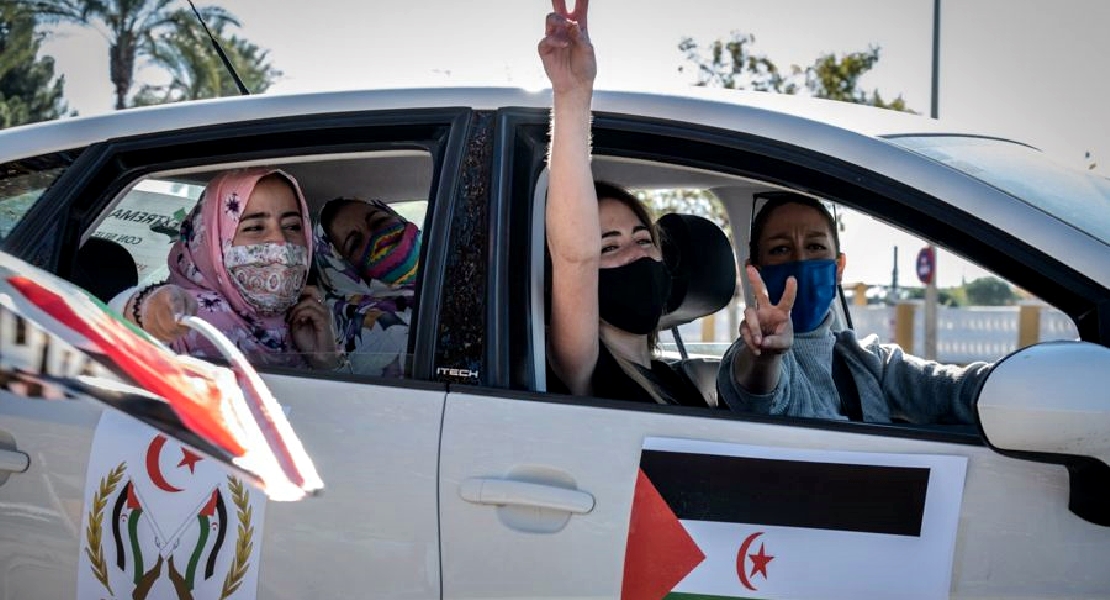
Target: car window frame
776 163
50 237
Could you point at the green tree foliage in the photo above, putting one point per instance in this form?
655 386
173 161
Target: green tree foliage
989 291
951 297
29 91
133 29
732 64
196 71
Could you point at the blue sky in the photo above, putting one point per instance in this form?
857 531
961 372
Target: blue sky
1031 69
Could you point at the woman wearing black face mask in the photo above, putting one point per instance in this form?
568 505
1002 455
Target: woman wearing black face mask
609 283
789 362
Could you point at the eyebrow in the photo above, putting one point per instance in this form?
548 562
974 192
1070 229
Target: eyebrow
616 233
263 215
787 236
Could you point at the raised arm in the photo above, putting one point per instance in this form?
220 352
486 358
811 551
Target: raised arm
573 231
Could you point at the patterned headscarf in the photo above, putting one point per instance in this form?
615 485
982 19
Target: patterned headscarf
372 318
197 265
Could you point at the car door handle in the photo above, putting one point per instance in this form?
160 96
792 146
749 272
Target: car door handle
507 492
13 461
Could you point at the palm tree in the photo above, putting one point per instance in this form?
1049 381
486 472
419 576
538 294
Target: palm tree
29 92
132 28
197 72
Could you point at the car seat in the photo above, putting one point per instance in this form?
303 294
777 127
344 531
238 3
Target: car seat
703 270
104 268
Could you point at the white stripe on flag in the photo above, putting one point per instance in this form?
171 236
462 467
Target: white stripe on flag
817 564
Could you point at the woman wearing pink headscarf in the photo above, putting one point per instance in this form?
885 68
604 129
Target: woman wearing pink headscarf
241 263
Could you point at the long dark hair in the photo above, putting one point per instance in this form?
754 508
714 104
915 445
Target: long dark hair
775 201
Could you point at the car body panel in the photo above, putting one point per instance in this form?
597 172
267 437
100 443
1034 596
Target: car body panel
1012 522
373 531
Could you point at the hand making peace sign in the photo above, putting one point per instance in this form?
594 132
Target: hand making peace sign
566 51
766 327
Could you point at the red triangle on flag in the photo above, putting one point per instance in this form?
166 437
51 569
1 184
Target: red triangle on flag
660 552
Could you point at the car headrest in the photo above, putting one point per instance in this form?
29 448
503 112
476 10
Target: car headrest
702 265
104 268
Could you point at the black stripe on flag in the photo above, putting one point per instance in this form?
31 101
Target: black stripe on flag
790 493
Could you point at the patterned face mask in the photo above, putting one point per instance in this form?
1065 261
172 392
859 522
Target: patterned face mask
392 255
269 276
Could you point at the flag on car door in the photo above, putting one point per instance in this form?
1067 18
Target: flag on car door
716 520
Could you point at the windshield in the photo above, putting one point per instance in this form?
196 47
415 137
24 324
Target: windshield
1078 198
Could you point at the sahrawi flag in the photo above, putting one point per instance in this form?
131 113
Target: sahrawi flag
51 329
162 522
716 520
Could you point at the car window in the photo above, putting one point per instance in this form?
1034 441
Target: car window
23 182
146 222
373 321
1078 198
979 316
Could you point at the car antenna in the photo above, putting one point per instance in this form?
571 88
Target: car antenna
220 51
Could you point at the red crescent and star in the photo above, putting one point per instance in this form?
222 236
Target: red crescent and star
759 561
153 452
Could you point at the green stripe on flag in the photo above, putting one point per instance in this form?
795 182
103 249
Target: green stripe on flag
115 315
191 572
684 596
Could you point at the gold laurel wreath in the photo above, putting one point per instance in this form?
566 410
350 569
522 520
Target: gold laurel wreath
93 533
244 544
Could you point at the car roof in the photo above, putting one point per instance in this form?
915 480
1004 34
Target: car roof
753 112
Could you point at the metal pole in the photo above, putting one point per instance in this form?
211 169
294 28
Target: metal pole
931 287
936 58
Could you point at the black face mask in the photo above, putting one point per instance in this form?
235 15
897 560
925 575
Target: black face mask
631 297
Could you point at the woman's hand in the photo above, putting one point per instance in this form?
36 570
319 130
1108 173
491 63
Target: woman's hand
313 331
766 328
566 51
159 310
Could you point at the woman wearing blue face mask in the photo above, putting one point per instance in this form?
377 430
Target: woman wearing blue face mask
789 362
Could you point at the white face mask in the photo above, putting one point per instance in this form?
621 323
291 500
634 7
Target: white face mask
269 276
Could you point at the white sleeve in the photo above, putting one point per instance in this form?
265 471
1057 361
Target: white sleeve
119 302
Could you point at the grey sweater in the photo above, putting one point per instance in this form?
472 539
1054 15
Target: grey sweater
891 383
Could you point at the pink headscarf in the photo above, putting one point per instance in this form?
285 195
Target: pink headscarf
197 265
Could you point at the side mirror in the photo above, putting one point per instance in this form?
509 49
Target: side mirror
1051 402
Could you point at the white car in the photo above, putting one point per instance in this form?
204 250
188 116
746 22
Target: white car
468 479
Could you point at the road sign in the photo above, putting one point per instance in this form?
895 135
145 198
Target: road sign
926 265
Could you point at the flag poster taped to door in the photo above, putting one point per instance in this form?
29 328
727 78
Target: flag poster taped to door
717 520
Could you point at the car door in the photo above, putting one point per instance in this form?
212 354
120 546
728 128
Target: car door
374 529
537 489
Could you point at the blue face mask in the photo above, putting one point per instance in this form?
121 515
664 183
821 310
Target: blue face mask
816 289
